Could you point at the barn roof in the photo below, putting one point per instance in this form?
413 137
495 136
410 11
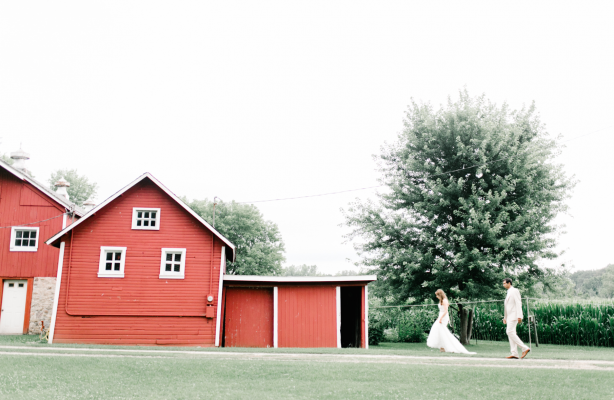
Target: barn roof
299 279
62 201
55 240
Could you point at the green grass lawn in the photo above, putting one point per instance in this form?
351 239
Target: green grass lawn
483 349
205 377
22 377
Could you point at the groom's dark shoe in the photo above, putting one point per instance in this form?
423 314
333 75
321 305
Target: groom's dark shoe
512 357
524 353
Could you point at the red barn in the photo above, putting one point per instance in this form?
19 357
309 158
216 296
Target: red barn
270 311
140 268
29 214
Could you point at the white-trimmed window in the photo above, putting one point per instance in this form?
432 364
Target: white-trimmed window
112 260
24 238
172 265
146 218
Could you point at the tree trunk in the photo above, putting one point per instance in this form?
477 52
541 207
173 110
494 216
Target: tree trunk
466 323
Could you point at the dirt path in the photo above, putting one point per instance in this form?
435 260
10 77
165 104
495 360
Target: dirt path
480 362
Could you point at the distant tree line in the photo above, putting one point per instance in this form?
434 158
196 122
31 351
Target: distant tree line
312 270
595 283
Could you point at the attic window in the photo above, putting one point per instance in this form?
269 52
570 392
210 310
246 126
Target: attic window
112 261
24 239
146 218
172 265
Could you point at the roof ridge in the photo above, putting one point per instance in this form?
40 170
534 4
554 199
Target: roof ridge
51 241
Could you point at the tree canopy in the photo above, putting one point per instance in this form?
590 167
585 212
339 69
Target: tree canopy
301 270
80 188
472 191
258 242
595 283
312 270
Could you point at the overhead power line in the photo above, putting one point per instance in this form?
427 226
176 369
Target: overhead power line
32 223
428 176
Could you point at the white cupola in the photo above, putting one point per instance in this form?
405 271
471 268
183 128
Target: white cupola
88 205
20 158
61 186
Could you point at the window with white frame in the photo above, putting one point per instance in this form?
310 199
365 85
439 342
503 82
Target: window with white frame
24 239
146 218
172 265
112 261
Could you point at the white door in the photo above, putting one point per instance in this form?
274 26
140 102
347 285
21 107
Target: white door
13 307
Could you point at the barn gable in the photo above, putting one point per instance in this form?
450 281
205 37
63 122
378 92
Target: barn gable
230 253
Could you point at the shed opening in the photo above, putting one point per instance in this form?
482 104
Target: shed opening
351 307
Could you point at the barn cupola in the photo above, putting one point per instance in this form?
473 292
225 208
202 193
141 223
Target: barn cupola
61 186
20 158
88 205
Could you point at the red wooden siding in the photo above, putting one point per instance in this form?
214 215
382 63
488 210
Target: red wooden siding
22 203
140 308
307 316
249 317
363 341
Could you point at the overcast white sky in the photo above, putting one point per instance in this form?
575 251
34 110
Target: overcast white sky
262 100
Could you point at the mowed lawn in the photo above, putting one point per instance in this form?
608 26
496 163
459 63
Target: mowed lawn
153 375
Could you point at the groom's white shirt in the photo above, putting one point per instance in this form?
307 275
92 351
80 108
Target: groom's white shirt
513 305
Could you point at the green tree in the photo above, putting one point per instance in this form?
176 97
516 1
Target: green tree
595 283
80 188
607 282
301 270
258 242
7 159
472 193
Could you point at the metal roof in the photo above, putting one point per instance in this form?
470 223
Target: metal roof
43 188
297 279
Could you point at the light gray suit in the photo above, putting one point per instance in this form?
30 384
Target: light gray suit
513 311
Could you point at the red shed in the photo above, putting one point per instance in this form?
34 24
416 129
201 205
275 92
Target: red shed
29 214
140 268
270 311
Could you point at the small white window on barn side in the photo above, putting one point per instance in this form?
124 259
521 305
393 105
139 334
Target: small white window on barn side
172 265
112 261
24 239
146 218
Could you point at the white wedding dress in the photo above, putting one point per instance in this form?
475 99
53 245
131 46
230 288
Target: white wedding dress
441 338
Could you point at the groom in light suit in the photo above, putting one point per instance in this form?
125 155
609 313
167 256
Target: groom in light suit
513 316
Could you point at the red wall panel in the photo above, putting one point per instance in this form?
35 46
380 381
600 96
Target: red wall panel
21 203
249 317
141 307
307 316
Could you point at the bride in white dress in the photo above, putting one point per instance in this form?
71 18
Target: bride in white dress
440 337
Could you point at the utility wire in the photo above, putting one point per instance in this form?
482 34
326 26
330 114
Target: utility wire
427 176
312 195
32 223
430 305
457 303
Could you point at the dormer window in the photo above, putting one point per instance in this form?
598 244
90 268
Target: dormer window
24 238
146 218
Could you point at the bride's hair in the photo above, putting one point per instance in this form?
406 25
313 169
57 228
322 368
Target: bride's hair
441 295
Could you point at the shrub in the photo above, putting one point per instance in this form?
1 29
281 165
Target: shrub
376 330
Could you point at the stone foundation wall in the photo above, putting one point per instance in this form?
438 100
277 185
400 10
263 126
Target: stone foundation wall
42 304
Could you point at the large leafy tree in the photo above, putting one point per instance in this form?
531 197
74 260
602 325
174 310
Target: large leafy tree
258 242
472 194
80 188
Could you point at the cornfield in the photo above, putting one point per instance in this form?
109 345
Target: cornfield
578 324
565 323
